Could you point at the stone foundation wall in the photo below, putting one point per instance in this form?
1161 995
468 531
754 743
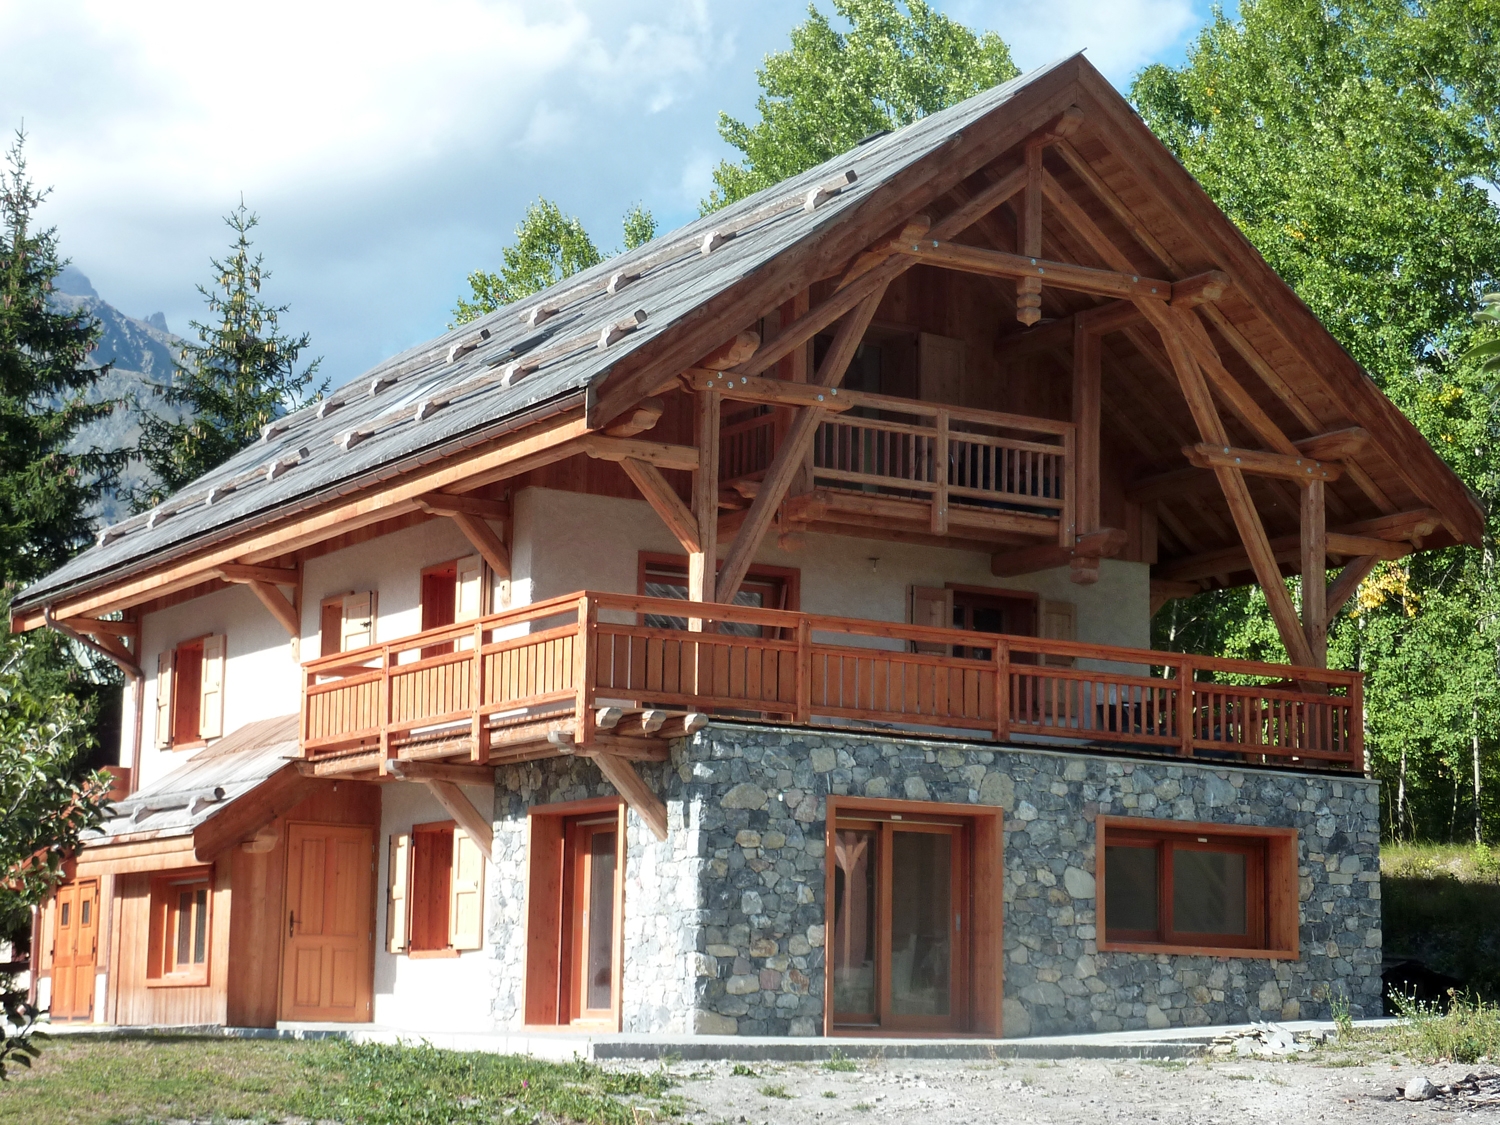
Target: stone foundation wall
724 923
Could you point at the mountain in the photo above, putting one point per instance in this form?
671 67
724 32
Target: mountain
143 353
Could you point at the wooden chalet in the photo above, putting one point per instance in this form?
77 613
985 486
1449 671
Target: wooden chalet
678 649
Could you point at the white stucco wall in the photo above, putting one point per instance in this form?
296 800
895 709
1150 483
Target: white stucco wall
428 993
260 675
568 541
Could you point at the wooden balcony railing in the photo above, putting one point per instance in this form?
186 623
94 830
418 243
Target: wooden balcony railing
921 450
561 659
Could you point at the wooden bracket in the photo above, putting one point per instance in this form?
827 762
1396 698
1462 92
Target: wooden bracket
482 538
1342 588
644 417
1102 544
457 773
638 795
1302 470
446 504
657 453
249 572
662 497
264 582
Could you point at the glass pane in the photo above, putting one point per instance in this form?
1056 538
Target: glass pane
1208 892
601 919
921 922
661 588
1130 888
200 926
63 912
854 923
83 912
184 922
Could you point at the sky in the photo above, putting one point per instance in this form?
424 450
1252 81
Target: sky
391 149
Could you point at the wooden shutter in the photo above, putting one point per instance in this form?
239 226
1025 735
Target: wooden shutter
358 625
931 605
397 899
330 626
468 601
211 688
1057 621
466 894
164 697
940 369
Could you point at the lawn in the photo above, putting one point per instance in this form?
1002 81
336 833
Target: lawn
1440 905
89 1080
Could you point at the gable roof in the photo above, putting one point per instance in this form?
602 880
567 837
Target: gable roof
676 309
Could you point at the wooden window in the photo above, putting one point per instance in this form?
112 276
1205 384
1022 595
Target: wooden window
190 692
452 592
765 587
975 609
346 621
914 941
181 929
434 892
1166 886
574 914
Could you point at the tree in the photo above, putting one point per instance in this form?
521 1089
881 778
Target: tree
46 487
241 374
549 247
833 88
1353 144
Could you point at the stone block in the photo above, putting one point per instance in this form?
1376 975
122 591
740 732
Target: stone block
744 796
712 1023
742 985
1078 882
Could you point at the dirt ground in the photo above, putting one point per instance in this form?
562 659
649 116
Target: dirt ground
1072 1092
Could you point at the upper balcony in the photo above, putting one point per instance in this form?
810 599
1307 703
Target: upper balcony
610 673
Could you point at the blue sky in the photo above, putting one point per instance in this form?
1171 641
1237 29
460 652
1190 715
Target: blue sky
390 149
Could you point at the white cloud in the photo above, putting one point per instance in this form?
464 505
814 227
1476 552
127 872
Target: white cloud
1120 36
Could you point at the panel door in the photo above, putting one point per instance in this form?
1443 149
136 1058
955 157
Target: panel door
593 938
328 958
75 950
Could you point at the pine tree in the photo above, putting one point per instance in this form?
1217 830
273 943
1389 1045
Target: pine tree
241 374
46 488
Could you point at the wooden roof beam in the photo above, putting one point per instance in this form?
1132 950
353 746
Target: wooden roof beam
1059 275
1287 550
1280 465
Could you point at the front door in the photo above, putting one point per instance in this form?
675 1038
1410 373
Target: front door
328 962
589 965
900 934
75 948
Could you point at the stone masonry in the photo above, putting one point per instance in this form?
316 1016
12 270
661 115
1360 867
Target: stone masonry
724 923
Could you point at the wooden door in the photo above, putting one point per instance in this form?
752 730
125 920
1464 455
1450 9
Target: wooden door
901 925
75 949
328 952
590 963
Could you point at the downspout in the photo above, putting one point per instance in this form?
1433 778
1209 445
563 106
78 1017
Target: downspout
132 672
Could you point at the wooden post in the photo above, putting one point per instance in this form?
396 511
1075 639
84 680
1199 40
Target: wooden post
385 710
940 475
1186 708
703 563
1315 570
1002 692
481 749
1029 289
583 671
804 672
1087 354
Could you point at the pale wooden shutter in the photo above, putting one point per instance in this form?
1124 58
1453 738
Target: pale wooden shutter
468 593
358 625
211 688
940 369
466 894
1057 621
397 900
931 605
164 697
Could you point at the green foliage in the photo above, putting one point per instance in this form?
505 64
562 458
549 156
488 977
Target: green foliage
832 88
1438 905
1353 144
241 374
1466 1032
549 247
47 800
45 490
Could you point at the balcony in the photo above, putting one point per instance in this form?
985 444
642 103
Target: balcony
625 673
881 460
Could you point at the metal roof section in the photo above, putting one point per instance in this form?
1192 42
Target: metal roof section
544 349
204 785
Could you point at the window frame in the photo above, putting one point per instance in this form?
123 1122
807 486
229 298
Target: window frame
427 892
788 578
1272 900
162 970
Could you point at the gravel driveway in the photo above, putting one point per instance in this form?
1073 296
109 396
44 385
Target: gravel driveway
1073 1092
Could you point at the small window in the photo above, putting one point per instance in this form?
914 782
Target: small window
1196 886
346 622
434 891
181 929
190 692
768 587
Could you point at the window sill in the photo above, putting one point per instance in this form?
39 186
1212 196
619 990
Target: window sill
429 954
1222 951
196 744
194 981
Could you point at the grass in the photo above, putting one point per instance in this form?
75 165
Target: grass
1439 905
88 1081
1466 1032
776 1091
838 1061
740 1070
